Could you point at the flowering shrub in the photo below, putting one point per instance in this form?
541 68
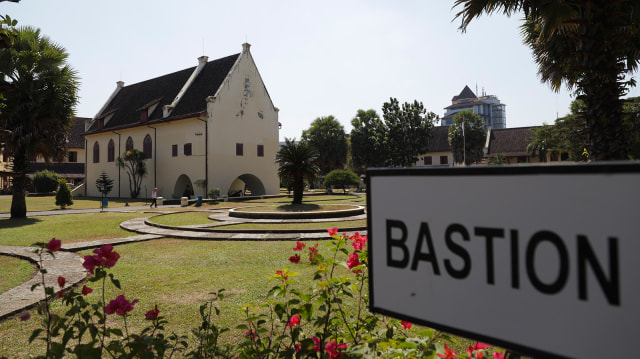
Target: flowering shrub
329 319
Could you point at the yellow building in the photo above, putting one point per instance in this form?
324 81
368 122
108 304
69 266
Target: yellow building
208 126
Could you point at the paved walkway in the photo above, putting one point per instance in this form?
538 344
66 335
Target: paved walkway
68 264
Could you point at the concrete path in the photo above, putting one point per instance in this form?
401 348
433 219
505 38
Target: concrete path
68 264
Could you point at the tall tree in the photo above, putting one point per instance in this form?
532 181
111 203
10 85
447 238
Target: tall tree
39 107
408 131
589 45
327 136
467 146
104 185
297 161
368 141
134 163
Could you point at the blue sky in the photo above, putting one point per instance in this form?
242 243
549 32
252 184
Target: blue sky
316 58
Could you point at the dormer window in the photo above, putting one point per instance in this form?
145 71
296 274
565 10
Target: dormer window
147 109
144 115
101 124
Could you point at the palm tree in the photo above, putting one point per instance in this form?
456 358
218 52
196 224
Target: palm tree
39 108
297 161
134 162
590 45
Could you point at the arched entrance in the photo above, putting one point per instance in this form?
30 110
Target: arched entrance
182 184
246 184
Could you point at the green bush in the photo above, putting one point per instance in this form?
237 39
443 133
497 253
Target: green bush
63 196
341 179
45 181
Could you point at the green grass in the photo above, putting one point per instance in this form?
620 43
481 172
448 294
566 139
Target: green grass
305 207
15 271
48 203
183 219
317 225
178 275
68 228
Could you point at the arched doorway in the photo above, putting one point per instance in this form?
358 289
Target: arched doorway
182 183
246 184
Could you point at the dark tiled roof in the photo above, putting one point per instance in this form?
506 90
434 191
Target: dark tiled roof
465 93
439 139
76 134
126 104
510 141
465 104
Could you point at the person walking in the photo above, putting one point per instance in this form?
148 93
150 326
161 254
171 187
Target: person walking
154 197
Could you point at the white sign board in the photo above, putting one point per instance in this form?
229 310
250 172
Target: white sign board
545 260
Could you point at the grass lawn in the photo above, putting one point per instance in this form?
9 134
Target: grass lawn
48 203
68 228
15 271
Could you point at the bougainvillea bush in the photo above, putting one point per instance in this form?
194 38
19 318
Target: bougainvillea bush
325 317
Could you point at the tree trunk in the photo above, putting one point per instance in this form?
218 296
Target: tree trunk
18 201
298 188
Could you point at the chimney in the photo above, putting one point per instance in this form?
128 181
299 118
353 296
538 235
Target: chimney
245 47
120 84
202 60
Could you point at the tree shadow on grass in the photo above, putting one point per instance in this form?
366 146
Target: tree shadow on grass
305 207
16 223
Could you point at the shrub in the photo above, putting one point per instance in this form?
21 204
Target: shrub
63 196
45 181
214 194
341 179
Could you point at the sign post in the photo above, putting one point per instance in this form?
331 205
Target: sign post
542 260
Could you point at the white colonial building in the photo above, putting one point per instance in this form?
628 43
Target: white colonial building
208 126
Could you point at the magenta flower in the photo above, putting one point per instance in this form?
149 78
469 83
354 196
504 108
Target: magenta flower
104 257
86 290
406 325
61 281
54 245
295 259
153 313
120 306
353 262
333 349
498 355
358 241
333 231
299 246
316 344
448 353
250 334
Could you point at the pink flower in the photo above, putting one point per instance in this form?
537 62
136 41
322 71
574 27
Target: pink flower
24 316
60 294
313 251
299 246
90 263
353 262
54 245
61 281
107 256
406 325
476 348
448 353
333 231
358 241
498 356
333 349
297 347
86 290
120 306
295 259
250 334
283 276
153 313
293 321
316 344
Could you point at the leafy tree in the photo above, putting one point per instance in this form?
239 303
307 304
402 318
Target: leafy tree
467 146
327 136
63 196
368 141
39 108
45 181
134 163
408 131
589 45
214 194
297 161
341 179
499 159
104 185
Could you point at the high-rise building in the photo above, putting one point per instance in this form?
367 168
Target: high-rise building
487 106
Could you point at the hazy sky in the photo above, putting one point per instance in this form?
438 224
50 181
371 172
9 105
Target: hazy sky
316 58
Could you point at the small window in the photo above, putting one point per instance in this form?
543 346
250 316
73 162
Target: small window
239 149
260 150
96 152
174 150
101 124
444 160
111 151
147 147
73 156
427 160
144 115
187 149
129 145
